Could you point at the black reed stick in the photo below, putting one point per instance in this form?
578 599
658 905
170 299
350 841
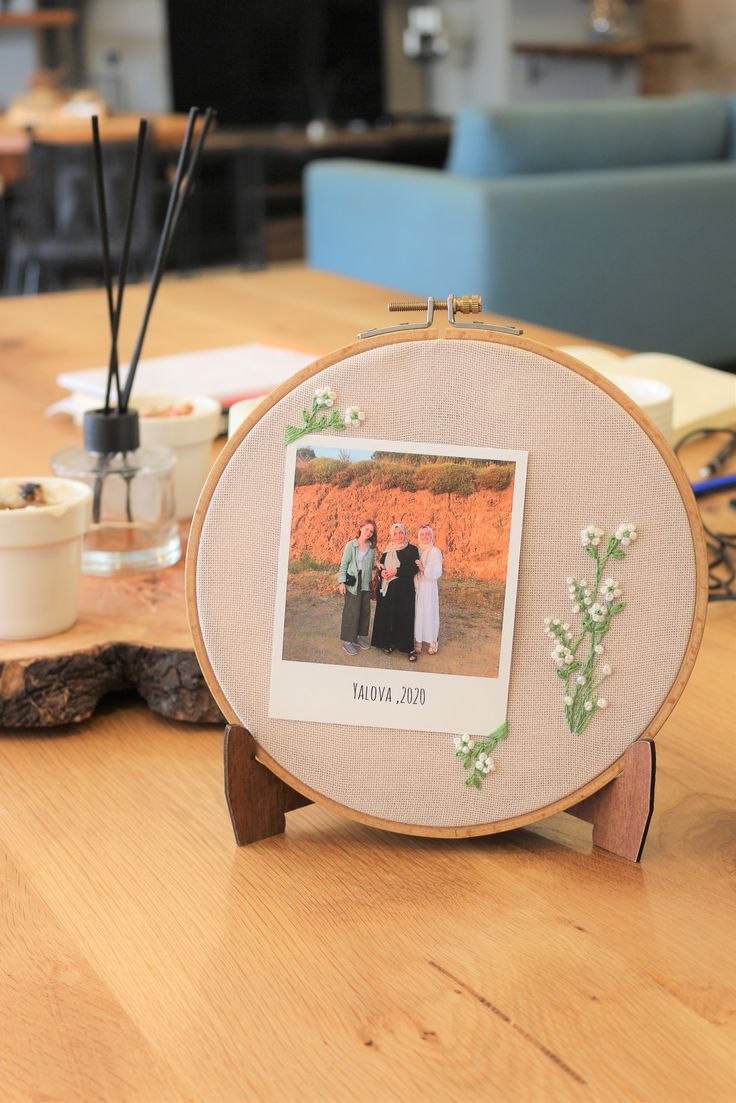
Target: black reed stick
160 256
188 181
105 240
112 371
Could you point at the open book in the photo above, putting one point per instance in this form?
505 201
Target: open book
226 374
702 395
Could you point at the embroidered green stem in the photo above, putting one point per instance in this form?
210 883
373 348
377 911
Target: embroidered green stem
315 421
477 755
597 607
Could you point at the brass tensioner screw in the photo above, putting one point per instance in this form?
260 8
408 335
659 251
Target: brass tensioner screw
466 304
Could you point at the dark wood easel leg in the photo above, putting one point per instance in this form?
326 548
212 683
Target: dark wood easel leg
620 812
258 800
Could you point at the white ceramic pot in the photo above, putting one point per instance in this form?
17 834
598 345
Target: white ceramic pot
189 436
654 397
239 411
40 557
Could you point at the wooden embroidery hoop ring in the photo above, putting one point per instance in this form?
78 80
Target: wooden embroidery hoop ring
618 800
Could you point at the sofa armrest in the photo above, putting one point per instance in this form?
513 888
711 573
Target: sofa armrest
641 258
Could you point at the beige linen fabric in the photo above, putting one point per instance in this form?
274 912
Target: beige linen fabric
589 463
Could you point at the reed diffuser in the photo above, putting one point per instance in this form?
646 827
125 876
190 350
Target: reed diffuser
133 513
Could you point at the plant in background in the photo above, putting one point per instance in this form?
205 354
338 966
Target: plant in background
576 655
477 754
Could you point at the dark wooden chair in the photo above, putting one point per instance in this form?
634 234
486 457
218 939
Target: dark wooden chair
53 232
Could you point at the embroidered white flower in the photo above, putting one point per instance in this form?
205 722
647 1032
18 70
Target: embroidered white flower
590 537
324 397
477 754
561 655
484 763
626 534
576 651
610 590
354 415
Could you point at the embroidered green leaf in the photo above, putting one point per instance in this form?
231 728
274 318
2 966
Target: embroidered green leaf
314 423
618 553
617 607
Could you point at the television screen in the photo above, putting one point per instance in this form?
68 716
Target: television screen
277 61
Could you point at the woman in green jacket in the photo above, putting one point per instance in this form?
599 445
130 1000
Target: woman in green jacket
354 583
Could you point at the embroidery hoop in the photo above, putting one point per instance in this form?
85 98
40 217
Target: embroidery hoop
252 766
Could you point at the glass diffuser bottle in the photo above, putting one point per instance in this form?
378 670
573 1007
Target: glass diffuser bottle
133 511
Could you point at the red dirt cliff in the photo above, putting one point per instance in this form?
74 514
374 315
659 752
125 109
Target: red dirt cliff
471 532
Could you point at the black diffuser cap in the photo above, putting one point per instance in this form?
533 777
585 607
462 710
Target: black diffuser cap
111 432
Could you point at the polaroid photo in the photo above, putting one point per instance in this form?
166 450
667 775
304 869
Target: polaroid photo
396 588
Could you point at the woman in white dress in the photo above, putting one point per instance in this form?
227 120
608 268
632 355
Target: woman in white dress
429 569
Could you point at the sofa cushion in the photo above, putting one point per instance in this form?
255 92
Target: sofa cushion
731 150
567 136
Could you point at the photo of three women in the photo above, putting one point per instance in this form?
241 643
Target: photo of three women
404 581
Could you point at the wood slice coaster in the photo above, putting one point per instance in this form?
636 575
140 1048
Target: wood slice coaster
132 633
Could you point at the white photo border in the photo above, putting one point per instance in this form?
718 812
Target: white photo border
393 699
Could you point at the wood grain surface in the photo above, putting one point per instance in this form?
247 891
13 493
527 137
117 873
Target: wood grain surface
146 958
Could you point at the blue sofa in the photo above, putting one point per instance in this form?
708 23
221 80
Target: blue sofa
612 220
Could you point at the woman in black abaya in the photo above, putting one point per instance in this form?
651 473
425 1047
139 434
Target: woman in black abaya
393 626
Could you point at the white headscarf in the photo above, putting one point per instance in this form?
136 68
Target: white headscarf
391 561
425 549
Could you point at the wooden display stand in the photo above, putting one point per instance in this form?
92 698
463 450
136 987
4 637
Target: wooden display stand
620 811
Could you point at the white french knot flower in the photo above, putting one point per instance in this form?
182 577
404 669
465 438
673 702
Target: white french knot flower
609 590
354 415
463 743
591 536
324 396
626 533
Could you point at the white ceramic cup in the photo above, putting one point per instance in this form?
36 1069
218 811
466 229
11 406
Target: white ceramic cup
41 557
652 396
189 436
239 411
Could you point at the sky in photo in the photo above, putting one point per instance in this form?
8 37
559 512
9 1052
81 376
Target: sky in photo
356 454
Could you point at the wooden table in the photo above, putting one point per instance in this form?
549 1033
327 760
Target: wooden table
167 133
146 958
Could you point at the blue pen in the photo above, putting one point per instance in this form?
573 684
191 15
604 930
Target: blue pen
709 486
